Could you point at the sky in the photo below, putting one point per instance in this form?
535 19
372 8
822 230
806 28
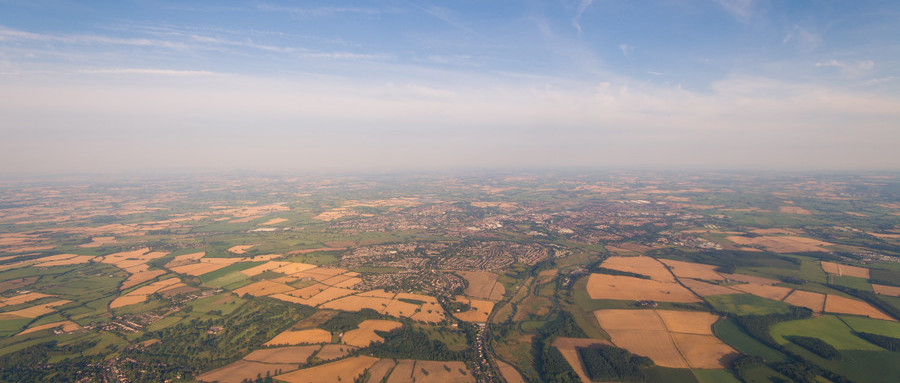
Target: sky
159 85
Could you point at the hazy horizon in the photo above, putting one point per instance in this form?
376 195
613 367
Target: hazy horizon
415 86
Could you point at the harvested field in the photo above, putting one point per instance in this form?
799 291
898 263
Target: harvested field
603 286
547 275
16 283
78 259
480 310
893 291
256 270
197 269
566 347
378 372
176 290
23 298
335 280
329 294
688 322
67 326
365 334
793 210
402 372
334 351
693 270
808 299
127 300
704 289
400 309
240 249
841 305
666 336
771 292
294 268
510 374
841 270
481 283
344 370
429 315
291 337
781 244
263 288
378 294
357 302
274 221
307 251
348 283
640 265
243 370
138 278
450 372
704 351
308 291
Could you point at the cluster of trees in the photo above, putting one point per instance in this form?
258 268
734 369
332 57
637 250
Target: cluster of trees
816 346
31 363
758 325
885 342
605 364
549 362
405 341
603 270
346 320
190 347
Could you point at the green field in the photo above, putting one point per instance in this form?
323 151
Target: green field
852 282
746 304
715 376
828 328
210 276
873 326
729 332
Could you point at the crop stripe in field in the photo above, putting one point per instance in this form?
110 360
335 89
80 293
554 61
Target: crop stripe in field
672 339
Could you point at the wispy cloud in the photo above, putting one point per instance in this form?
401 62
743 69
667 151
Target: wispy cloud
149 71
626 49
576 21
318 11
741 9
802 39
444 15
852 69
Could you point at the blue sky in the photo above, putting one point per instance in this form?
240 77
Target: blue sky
391 85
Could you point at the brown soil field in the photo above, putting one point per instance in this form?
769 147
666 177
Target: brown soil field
688 322
782 244
176 290
640 265
480 283
704 351
16 284
240 249
750 279
294 268
450 372
566 347
292 338
479 312
344 370
841 305
197 269
242 370
256 270
127 300
138 278
380 369
331 352
808 299
263 288
365 334
771 292
615 319
602 286
839 269
704 289
308 291
893 291
510 374
794 210
547 275
693 270
67 326
274 221
329 294
402 372
23 298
